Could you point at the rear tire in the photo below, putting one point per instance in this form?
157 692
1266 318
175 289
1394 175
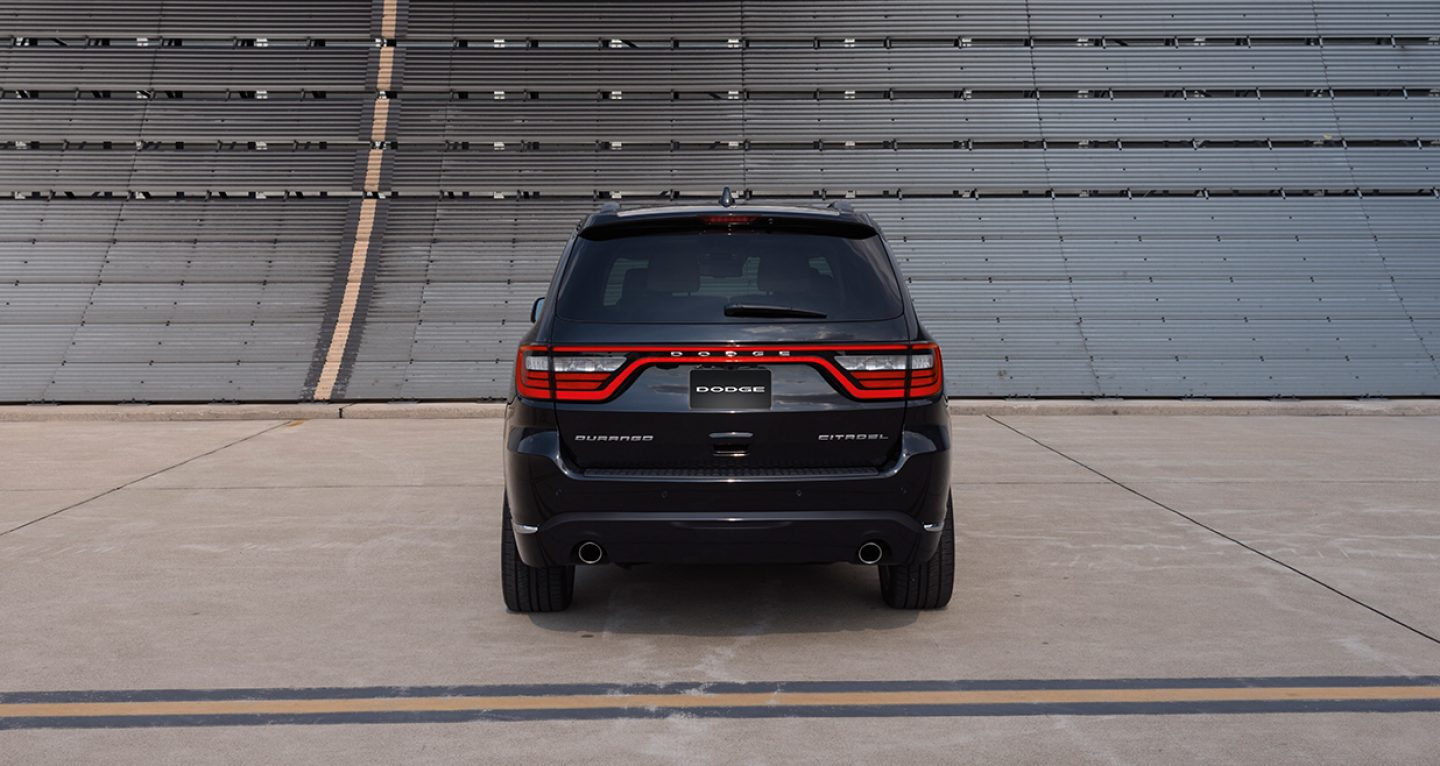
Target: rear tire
927 584
527 588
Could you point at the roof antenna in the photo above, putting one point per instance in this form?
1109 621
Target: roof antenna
726 198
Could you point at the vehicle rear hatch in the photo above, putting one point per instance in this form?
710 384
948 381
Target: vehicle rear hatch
728 345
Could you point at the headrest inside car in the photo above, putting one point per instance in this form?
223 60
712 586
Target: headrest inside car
784 273
633 288
674 273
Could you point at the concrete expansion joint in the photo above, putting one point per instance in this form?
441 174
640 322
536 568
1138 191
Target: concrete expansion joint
111 490
1221 534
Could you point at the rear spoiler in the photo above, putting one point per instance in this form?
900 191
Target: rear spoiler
610 225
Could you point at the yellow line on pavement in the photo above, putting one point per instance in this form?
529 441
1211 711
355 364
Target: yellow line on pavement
682 701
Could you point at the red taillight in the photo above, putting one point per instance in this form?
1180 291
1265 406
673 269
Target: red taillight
894 375
532 383
927 381
540 374
872 372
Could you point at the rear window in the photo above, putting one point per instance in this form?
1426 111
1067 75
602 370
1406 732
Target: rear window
692 276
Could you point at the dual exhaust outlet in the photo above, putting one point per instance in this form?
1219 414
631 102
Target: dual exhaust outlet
591 552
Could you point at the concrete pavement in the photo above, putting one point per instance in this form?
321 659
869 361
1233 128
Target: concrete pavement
357 553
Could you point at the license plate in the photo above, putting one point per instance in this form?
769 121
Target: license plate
747 389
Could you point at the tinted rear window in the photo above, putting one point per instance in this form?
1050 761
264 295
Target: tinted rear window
691 276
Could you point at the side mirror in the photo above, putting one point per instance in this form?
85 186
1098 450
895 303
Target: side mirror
536 308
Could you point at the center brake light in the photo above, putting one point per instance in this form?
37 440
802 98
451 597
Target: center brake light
870 372
729 220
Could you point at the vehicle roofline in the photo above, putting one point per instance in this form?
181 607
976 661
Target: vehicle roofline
611 213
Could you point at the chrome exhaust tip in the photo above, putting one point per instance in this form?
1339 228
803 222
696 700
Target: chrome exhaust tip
589 552
870 553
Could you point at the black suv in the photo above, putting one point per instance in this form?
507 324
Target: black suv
717 384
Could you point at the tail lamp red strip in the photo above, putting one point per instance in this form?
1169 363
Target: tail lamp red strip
926 383
600 386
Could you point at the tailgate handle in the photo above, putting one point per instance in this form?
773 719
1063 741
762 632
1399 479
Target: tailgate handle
731 443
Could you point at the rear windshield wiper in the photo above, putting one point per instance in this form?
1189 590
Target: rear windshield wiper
762 310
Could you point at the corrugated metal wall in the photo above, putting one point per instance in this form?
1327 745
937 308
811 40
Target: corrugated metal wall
341 199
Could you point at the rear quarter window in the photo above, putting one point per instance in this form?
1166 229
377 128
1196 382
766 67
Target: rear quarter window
691 276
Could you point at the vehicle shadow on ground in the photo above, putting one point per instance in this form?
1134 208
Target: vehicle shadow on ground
726 601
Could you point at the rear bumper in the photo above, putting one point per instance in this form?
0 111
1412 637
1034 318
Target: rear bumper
690 537
692 518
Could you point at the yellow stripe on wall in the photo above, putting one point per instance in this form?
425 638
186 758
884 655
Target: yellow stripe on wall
365 226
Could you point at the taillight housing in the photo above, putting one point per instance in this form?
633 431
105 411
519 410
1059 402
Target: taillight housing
915 374
868 372
926 376
542 375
